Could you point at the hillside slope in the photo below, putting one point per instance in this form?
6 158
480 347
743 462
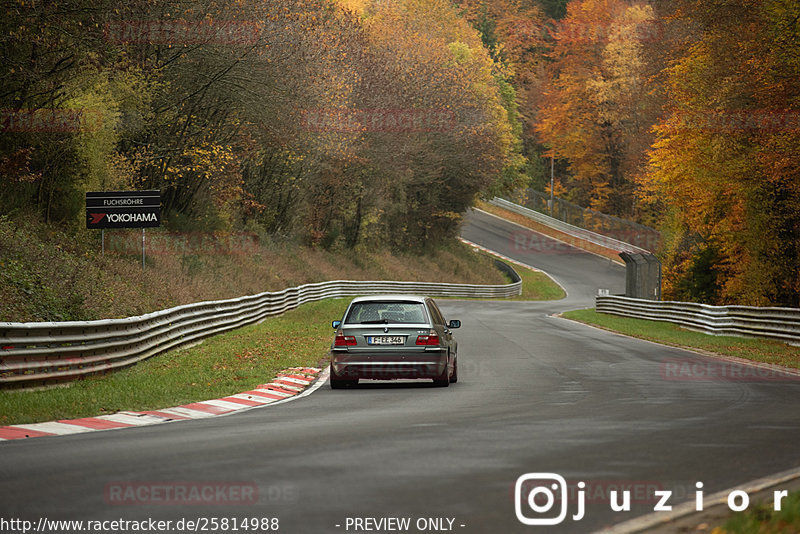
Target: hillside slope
50 273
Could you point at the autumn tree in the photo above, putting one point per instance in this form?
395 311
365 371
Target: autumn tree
595 111
338 124
514 31
725 163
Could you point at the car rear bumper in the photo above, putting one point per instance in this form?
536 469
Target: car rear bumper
428 364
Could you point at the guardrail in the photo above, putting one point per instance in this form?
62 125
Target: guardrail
602 223
773 323
47 352
574 231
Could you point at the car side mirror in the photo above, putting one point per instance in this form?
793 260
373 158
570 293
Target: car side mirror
336 324
455 323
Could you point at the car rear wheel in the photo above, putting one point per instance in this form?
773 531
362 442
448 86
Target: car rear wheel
443 380
454 376
340 383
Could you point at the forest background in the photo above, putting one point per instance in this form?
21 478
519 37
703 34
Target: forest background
365 125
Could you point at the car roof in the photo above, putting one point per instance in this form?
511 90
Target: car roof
391 298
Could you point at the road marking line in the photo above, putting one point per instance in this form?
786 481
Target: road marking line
287 386
516 262
53 427
11 432
204 406
646 522
227 405
166 416
278 388
692 350
94 423
298 379
321 379
132 419
186 413
268 393
246 400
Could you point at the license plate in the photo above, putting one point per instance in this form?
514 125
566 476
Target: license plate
385 340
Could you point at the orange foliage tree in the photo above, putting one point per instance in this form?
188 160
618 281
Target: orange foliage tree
596 109
341 124
725 159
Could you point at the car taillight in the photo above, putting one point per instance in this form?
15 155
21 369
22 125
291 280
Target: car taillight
344 341
429 339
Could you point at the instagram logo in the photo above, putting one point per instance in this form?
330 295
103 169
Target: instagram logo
538 493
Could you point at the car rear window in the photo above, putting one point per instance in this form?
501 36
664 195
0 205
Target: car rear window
377 312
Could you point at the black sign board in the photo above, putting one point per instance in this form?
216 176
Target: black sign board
123 209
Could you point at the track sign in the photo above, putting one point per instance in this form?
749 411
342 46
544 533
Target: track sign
123 209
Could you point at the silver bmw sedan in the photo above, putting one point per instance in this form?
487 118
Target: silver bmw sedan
393 336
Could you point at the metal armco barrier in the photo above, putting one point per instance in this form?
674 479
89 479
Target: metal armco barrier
574 231
602 223
642 269
47 352
773 323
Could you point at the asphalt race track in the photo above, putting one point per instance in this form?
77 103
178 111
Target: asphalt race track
536 393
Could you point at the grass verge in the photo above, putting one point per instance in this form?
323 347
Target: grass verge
222 365
537 286
758 350
762 518
57 273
